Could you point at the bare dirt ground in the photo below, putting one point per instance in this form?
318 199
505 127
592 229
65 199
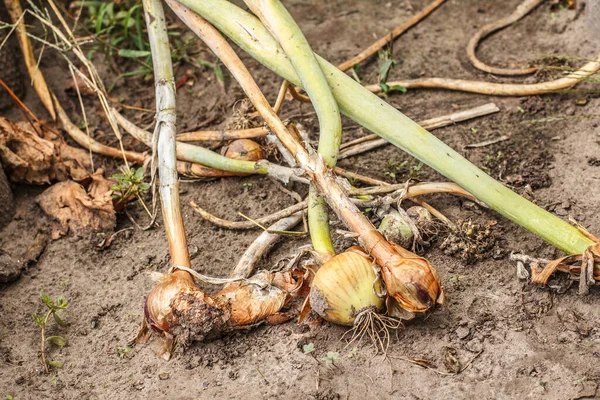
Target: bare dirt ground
522 341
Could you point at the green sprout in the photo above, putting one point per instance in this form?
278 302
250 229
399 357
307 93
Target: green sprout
308 348
331 357
43 319
130 183
387 62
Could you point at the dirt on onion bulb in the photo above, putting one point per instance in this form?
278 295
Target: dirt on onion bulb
178 302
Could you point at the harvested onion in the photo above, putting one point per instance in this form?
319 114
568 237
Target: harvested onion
412 281
345 287
244 149
176 300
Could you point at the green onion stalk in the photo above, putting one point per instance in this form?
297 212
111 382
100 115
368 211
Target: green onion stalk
166 131
410 280
379 117
283 27
200 155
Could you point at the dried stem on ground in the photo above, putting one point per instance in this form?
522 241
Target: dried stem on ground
380 43
499 89
39 83
523 9
370 142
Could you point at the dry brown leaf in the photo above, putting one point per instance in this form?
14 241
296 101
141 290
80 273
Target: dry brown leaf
27 157
78 209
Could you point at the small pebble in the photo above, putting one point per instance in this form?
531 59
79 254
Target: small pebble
163 376
462 332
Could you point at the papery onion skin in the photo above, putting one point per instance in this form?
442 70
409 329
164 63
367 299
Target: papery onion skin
157 308
412 281
249 304
345 286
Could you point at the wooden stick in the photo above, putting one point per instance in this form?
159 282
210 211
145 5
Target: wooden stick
376 46
523 9
373 141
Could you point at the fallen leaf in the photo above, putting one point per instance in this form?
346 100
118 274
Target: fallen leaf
27 157
78 209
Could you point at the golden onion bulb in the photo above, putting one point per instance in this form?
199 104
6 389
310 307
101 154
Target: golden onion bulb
344 287
244 149
412 281
250 303
157 308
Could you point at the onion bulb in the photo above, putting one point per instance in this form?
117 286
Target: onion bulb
412 281
396 227
346 286
420 215
249 304
176 300
157 308
244 149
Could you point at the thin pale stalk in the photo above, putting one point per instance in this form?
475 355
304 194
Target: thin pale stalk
37 79
222 135
523 9
430 124
166 130
262 244
281 96
376 115
283 27
499 89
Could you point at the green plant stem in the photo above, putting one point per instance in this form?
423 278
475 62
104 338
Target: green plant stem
196 154
283 27
379 117
43 333
166 131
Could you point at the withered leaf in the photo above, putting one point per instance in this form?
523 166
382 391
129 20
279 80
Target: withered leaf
27 157
78 209
451 361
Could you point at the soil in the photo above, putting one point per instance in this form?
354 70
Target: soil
514 340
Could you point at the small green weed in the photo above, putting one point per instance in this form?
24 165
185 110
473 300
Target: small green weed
43 319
